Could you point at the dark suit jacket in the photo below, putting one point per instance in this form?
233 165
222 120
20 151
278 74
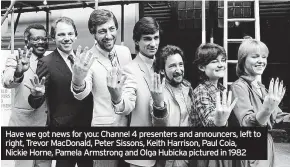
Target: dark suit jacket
64 109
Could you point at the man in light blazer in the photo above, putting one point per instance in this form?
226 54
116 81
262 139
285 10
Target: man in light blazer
133 94
19 70
103 26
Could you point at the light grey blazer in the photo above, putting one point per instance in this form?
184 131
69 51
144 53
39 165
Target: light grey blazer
96 82
22 113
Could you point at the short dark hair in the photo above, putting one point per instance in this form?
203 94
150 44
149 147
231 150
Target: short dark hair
27 32
65 20
163 55
99 17
205 53
145 26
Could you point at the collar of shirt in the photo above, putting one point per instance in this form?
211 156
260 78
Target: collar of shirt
251 81
33 57
148 62
184 88
65 55
177 90
212 87
184 85
256 84
102 51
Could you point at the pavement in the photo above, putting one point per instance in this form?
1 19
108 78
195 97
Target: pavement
283 154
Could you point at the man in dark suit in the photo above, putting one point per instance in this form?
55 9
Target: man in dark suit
55 71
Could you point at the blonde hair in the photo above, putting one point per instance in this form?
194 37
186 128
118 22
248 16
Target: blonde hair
249 46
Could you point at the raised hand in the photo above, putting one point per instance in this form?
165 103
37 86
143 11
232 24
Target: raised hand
275 95
115 83
223 108
23 61
37 88
82 64
157 90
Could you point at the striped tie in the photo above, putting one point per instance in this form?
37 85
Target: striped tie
114 60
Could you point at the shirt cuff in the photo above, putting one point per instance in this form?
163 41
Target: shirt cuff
77 89
18 80
160 112
119 107
253 119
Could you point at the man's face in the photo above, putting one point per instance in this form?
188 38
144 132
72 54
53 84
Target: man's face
174 69
38 42
64 37
148 44
106 35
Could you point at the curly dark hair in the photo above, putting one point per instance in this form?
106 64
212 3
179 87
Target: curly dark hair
163 55
99 17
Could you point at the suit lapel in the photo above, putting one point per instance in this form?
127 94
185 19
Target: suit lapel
258 94
264 93
33 64
60 64
248 80
100 57
145 71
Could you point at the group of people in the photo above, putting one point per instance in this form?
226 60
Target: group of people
103 86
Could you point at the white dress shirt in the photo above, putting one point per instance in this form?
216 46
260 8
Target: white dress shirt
65 58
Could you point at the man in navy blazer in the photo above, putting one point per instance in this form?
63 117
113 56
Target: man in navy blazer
55 72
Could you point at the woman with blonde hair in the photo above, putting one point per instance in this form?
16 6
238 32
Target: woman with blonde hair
257 106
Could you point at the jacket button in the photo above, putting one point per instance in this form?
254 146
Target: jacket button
46 112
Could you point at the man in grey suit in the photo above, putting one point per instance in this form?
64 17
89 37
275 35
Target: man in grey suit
20 69
133 95
90 75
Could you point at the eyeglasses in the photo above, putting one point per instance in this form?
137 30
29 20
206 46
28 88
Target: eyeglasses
37 39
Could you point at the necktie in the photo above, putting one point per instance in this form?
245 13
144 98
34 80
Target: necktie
71 59
113 58
154 67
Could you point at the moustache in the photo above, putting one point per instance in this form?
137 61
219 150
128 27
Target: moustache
109 39
177 74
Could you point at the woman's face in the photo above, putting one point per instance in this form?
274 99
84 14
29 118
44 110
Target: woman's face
215 69
256 63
